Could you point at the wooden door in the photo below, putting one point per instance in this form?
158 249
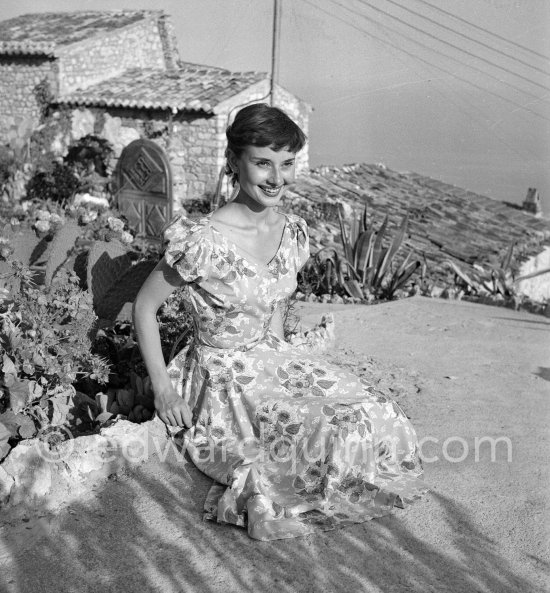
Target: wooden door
144 187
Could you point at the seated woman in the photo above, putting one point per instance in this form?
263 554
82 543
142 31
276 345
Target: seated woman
293 443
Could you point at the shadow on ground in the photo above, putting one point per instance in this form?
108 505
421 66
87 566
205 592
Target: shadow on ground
143 532
543 373
526 323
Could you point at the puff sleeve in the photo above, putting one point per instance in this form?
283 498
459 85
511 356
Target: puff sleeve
188 249
301 241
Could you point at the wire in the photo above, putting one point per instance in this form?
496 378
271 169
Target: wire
486 45
482 117
484 30
453 45
416 57
485 74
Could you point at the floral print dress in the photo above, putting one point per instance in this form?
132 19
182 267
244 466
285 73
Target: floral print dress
292 443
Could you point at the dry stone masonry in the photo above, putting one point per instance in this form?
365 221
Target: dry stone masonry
118 74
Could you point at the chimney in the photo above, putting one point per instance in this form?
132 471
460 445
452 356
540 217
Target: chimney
531 203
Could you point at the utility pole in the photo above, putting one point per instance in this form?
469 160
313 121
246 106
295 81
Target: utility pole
275 47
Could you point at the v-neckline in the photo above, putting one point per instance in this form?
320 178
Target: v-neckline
242 252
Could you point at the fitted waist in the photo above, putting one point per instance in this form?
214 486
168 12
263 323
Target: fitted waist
200 343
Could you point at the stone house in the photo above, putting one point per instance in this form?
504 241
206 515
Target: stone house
118 74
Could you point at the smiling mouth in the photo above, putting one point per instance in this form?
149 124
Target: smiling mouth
271 191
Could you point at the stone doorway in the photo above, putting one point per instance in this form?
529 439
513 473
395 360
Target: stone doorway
144 188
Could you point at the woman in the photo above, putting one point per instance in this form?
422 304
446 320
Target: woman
293 443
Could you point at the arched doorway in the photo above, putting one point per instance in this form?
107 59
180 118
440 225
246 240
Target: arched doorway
144 187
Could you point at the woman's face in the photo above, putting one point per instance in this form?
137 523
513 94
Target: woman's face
264 174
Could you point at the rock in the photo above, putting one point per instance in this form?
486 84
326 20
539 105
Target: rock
88 456
82 123
437 292
136 442
31 472
36 472
6 484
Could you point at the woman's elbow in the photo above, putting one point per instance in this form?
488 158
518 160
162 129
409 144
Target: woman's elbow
142 308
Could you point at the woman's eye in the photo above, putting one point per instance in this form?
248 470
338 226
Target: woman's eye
262 163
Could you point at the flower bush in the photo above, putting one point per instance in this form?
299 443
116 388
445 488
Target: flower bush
45 349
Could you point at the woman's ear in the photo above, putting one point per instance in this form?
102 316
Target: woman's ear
231 166
232 160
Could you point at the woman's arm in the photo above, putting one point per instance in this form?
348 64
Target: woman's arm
160 284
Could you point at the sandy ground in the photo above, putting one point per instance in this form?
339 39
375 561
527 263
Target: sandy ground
459 370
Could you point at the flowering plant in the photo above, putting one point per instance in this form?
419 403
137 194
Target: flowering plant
44 345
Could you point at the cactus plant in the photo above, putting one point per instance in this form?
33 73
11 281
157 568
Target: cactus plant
62 245
123 291
107 261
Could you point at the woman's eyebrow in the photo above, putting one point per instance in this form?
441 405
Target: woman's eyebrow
268 160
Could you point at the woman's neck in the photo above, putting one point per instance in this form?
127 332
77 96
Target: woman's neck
248 209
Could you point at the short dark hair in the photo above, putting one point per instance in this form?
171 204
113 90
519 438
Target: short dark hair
263 125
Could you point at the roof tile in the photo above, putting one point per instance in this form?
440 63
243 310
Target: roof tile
42 33
190 88
445 222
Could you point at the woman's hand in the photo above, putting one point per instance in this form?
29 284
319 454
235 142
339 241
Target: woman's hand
172 410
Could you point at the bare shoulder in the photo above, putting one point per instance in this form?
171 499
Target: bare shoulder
225 215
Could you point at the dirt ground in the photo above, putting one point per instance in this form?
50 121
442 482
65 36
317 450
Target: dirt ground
461 371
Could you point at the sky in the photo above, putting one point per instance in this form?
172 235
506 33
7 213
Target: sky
459 92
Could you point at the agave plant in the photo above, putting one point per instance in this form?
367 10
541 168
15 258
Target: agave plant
371 263
321 274
495 281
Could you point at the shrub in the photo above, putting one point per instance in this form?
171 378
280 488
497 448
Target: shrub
84 168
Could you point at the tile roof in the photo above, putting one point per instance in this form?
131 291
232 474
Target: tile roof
42 33
190 88
445 222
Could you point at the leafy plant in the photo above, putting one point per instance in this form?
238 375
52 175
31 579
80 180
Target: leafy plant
84 168
58 183
14 160
500 280
90 154
44 348
371 263
324 273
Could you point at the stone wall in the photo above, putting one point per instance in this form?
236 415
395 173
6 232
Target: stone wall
299 112
96 59
537 288
194 156
189 140
19 77
194 142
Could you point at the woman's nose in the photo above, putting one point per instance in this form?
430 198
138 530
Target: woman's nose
276 177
